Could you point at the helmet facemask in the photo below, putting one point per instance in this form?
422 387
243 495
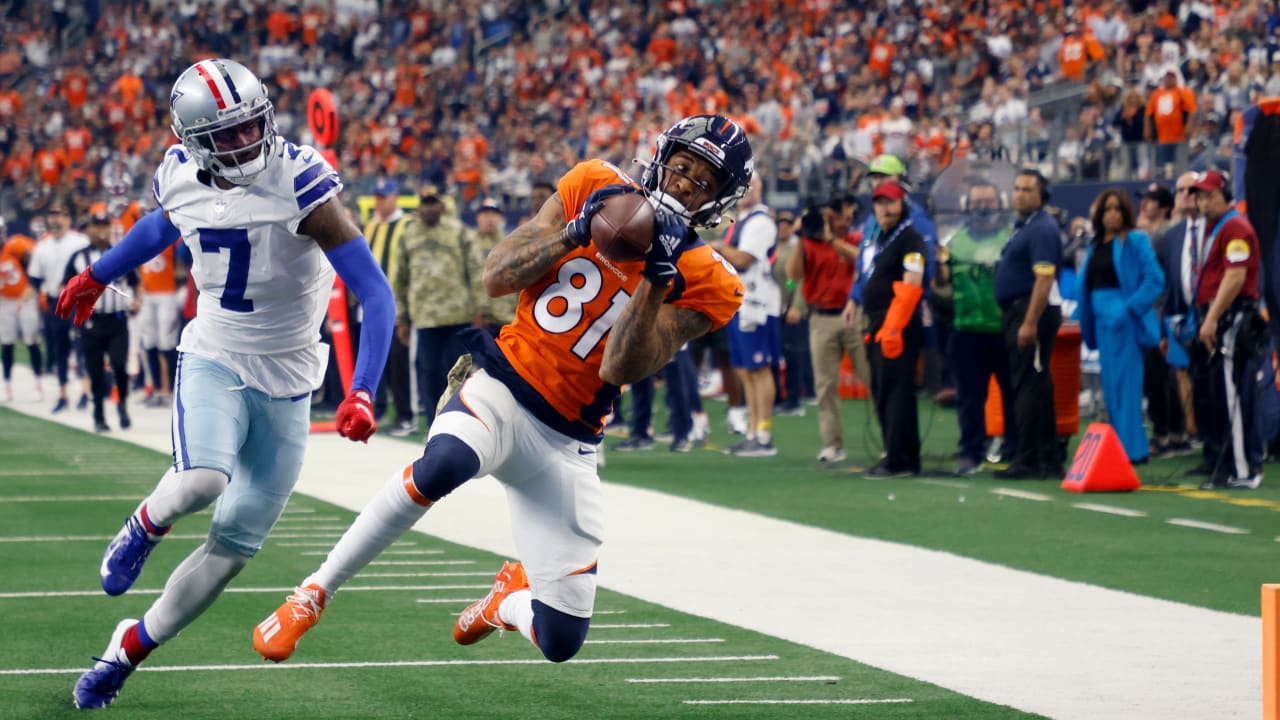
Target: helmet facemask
731 165
235 148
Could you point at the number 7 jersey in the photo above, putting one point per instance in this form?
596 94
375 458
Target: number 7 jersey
555 345
263 287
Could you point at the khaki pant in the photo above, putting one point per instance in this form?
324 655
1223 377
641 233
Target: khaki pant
829 340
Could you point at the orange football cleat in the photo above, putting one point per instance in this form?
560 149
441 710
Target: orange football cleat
277 637
481 617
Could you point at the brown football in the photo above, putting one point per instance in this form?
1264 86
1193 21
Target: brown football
623 230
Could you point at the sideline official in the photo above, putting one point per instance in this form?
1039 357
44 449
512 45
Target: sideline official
1025 287
105 335
384 231
1228 347
893 265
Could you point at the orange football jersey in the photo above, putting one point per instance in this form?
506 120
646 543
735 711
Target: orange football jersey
556 342
13 278
157 274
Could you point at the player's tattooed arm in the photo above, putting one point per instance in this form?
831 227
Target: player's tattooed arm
528 252
329 224
647 335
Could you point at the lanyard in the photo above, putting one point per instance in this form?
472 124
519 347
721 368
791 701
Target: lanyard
1199 263
869 265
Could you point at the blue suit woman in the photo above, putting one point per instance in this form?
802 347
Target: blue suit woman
1117 290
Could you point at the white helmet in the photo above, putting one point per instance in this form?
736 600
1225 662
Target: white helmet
222 115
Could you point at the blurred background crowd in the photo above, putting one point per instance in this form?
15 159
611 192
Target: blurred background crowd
487 97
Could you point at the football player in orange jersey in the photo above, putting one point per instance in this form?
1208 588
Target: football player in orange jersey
19 310
532 415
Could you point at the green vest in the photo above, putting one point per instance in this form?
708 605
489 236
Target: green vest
973 269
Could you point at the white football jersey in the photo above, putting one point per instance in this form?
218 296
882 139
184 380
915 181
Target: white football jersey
757 235
263 288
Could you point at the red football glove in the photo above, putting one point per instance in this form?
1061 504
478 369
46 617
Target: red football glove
355 417
79 296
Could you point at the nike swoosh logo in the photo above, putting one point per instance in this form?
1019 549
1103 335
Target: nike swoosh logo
583 450
737 293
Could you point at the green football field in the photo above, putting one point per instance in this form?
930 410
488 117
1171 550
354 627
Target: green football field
389 653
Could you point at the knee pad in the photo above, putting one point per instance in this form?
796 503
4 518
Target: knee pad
182 492
446 463
559 635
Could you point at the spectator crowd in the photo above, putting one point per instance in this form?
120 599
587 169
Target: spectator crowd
475 108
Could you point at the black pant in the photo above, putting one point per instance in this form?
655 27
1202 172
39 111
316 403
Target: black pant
395 378
57 341
1035 419
1224 397
974 357
105 335
893 386
1161 388
438 349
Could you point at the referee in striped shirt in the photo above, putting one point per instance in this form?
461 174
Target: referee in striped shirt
106 332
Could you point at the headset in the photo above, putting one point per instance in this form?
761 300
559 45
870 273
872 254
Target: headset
1041 181
969 182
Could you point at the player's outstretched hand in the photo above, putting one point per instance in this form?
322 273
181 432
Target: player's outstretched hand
355 417
660 262
578 230
79 297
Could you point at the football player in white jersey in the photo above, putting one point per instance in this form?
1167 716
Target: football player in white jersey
266 229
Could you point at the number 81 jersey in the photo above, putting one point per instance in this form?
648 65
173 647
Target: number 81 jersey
556 343
263 288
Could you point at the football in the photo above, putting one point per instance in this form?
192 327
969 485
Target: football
623 230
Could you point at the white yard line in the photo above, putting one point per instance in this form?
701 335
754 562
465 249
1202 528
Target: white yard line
629 626
1211 527
837 701
972 627
68 498
410 563
714 680
151 668
1022 494
656 641
1109 510
244 590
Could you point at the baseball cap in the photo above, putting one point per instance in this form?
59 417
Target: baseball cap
1159 193
1211 181
386 186
891 190
886 165
98 213
429 193
491 205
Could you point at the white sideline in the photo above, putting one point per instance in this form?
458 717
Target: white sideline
1043 645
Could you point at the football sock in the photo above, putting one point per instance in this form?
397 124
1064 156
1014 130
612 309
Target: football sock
153 368
559 634
181 493
388 515
191 589
37 360
154 532
136 644
764 432
517 609
6 360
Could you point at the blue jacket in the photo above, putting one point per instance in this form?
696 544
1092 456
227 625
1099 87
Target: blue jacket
1141 281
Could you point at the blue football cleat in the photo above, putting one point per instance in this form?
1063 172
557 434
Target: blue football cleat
101 684
124 557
